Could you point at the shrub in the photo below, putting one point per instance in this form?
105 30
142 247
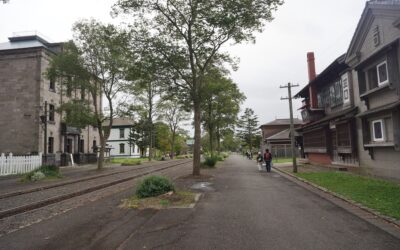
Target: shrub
37 176
41 173
154 186
210 162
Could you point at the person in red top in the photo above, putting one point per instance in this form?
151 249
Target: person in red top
267 160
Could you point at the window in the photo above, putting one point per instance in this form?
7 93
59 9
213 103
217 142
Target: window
378 131
51 112
52 84
315 139
81 146
382 73
94 146
50 145
121 133
122 148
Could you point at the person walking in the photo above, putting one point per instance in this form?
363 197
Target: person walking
259 161
267 160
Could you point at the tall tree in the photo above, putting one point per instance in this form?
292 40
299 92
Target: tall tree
173 114
96 61
188 36
248 128
221 105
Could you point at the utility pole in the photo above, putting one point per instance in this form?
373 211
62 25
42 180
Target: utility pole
289 86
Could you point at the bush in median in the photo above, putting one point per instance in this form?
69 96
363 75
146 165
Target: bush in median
154 186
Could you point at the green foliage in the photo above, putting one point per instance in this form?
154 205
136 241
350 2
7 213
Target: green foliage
49 171
248 129
187 37
154 186
382 196
78 113
128 161
209 162
220 108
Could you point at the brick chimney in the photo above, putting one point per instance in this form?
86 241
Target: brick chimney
311 66
311 76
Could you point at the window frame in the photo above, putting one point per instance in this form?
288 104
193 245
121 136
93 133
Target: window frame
382 125
387 73
122 146
122 133
50 145
52 111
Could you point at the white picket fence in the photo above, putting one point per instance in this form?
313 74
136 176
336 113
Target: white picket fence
19 164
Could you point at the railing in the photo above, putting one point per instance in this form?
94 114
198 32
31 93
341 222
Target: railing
10 164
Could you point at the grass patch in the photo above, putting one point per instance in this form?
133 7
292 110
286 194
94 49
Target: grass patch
46 172
382 196
282 160
128 161
173 199
188 156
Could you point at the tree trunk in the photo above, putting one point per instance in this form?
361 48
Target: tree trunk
210 134
100 160
197 138
173 145
218 135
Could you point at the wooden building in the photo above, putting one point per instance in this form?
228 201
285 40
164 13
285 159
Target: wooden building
374 56
329 132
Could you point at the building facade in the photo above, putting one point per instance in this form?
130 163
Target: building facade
328 113
374 56
28 104
118 140
276 137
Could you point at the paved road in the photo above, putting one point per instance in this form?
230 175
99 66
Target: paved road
247 210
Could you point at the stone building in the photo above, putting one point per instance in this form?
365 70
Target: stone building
25 96
374 56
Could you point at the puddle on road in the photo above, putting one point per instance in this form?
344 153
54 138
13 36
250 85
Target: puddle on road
204 186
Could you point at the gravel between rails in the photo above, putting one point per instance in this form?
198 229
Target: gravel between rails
40 187
25 202
19 221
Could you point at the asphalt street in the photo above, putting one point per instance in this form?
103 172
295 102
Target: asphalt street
243 209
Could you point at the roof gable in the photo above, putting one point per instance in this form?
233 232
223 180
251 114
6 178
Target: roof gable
373 29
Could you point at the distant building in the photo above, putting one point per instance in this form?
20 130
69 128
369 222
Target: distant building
276 136
24 93
118 140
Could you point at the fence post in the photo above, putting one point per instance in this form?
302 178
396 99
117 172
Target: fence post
2 164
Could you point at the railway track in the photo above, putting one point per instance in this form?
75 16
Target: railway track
22 201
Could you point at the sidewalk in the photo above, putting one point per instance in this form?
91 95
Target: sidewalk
386 223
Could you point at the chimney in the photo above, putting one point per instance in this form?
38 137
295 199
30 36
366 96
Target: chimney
311 76
311 66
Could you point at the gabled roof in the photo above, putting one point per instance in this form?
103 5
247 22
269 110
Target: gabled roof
365 23
330 72
283 122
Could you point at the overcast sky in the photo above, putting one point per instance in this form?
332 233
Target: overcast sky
278 57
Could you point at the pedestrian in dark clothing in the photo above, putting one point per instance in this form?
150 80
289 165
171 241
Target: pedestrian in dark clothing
267 160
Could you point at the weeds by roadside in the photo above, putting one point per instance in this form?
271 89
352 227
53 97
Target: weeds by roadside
44 172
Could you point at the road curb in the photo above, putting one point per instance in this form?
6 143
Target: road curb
392 221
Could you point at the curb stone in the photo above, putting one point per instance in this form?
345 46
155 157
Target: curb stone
395 223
